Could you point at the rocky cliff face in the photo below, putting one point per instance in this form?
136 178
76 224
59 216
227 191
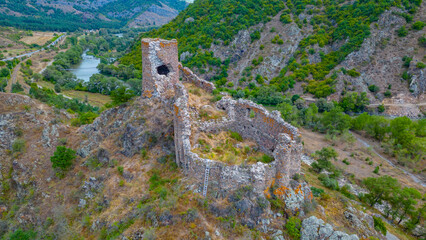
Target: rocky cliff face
154 16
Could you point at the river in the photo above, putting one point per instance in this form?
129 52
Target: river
86 68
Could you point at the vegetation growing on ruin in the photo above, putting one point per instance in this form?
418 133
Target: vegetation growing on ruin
229 147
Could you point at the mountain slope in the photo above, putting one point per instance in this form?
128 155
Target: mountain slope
69 15
320 49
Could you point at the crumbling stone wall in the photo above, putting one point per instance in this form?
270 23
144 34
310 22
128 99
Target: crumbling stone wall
160 66
272 134
189 76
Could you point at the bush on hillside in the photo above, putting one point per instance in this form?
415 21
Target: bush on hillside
63 158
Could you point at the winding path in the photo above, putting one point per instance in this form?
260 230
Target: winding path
31 53
13 78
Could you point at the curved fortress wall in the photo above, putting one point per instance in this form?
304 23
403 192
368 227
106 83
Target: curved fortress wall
272 134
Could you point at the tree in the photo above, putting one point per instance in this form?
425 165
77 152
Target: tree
354 102
323 105
380 188
373 88
62 158
37 77
268 96
336 120
402 131
377 126
4 72
323 158
416 217
58 88
403 202
418 25
121 95
402 31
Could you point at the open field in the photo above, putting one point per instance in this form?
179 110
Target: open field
39 38
14 42
95 99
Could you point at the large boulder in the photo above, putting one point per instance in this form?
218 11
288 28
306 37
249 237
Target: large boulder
315 229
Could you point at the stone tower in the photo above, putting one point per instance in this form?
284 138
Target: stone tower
160 66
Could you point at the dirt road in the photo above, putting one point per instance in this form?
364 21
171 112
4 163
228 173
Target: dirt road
13 78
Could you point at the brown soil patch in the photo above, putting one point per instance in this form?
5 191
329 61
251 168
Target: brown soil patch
362 159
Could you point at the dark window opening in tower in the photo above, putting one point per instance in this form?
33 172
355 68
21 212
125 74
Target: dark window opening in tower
163 70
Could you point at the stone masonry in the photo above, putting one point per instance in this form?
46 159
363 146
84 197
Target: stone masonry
273 136
160 67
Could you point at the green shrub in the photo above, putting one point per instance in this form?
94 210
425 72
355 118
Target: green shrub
388 93
420 65
402 31
353 73
121 183
345 161
236 136
406 76
62 158
293 226
84 118
407 61
58 88
285 18
17 87
23 235
381 108
255 36
120 170
317 191
144 153
373 88
266 158
418 25
18 146
422 41
379 225
345 190
121 95
376 170
328 182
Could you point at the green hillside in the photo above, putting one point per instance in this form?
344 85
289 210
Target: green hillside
331 21
73 15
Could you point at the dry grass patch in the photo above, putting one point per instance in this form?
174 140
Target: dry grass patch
39 38
202 100
229 147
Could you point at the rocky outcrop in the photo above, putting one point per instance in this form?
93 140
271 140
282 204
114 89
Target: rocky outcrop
315 229
130 128
155 15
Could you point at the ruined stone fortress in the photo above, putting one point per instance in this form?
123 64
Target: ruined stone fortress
161 79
